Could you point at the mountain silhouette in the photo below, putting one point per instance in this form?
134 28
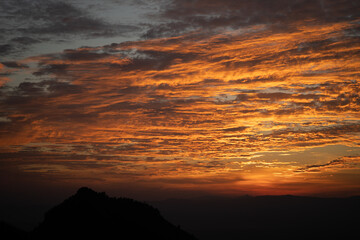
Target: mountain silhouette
8 231
89 214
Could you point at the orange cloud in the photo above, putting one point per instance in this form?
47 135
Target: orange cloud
3 78
190 108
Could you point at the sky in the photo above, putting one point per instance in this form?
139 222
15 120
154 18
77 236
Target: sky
171 98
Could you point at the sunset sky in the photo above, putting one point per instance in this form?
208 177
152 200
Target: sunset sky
167 98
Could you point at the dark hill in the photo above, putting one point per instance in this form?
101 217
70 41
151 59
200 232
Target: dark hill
8 231
89 214
265 217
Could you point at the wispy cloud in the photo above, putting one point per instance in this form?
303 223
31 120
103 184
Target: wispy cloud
350 162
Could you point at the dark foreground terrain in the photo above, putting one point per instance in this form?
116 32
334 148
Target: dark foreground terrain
92 215
265 217
89 214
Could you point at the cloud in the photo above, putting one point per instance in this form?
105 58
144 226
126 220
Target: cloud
211 180
177 83
235 129
187 108
13 64
52 69
32 22
349 162
5 49
57 17
279 15
25 40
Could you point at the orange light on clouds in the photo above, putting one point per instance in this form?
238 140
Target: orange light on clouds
196 111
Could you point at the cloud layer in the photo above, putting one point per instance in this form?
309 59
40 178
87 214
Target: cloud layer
193 108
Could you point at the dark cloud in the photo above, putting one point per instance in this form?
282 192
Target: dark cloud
5 49
59 69
343 162
25 40
32 100
274 96
235 129
31 22
13 64
279 15
83 55
57 17
303 136
343 101
155 60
